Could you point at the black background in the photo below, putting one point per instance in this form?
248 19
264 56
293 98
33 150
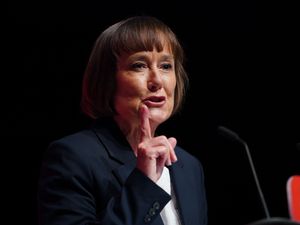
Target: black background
240 77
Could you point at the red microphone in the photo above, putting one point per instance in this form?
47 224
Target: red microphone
293 196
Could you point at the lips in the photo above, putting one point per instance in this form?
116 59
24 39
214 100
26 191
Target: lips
154 101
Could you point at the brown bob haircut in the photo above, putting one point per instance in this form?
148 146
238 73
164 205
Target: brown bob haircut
140 33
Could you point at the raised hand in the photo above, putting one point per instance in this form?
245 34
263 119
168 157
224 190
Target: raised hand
153 152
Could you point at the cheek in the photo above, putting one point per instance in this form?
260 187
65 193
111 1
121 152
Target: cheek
170 87
129 88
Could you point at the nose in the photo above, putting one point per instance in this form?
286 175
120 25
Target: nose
154 81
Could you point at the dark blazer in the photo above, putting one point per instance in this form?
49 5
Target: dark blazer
90 178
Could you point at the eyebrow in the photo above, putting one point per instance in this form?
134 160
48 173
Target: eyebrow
144 57
167 57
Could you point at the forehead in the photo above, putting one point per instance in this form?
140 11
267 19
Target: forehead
165 54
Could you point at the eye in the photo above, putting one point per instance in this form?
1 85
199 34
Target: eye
166 66
138 66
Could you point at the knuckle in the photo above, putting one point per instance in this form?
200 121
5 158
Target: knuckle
142 149
163 137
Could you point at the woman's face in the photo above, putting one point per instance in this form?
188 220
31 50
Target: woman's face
148 78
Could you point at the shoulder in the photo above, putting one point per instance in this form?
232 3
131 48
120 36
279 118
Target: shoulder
81 146
186 157
82 139
188 160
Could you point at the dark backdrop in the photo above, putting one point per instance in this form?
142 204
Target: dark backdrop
240 78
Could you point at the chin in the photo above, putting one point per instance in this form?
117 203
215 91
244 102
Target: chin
158 116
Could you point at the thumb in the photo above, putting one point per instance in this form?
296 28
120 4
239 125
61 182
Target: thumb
173 143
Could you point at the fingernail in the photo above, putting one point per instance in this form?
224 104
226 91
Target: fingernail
169 163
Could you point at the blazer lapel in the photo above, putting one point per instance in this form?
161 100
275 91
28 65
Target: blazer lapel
117 147
184 197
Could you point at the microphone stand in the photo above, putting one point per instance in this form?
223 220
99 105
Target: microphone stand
268 220
263 201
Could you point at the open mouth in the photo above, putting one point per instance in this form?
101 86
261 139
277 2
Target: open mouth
154 101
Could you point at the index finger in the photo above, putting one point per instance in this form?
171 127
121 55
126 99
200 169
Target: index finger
145 124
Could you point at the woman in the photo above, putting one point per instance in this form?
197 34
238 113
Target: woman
119 171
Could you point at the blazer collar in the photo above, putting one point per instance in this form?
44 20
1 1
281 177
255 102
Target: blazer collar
113 140
117 147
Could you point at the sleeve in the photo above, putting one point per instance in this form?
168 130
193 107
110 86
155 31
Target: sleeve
67 194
